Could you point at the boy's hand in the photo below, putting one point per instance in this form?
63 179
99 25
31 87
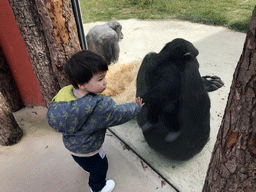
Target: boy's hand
139 101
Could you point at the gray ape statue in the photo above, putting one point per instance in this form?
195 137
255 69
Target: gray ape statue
103 39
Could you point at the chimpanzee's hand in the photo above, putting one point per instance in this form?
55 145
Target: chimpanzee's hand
212 83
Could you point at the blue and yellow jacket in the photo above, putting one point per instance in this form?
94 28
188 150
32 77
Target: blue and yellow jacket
83 121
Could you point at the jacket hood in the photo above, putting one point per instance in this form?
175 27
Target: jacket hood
65 94
66 113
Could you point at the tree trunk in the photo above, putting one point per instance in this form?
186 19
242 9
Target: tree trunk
49 31
8 87
233 162
10 132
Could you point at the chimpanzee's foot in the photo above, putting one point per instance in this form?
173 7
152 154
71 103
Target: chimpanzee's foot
172 136
147 127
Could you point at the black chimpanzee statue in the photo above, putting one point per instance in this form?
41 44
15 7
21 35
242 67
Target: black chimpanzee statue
175 119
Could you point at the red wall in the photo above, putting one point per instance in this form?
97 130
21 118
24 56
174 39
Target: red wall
17 57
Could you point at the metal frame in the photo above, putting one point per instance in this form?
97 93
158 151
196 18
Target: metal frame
79 23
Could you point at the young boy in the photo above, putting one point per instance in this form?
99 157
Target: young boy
83 117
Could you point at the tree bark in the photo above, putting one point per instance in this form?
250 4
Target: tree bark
8 87
233 162
49 31
10 132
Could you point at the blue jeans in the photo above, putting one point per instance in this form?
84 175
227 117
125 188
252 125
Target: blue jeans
97 167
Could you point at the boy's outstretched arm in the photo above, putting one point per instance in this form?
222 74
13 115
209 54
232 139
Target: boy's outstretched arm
139 101
118 114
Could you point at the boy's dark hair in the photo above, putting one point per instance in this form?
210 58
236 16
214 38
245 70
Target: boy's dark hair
83 65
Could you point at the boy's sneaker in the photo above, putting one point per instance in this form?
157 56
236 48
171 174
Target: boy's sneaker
110 185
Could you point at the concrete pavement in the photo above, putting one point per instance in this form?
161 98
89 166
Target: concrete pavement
219 52
39 162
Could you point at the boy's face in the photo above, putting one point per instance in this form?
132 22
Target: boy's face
97 84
